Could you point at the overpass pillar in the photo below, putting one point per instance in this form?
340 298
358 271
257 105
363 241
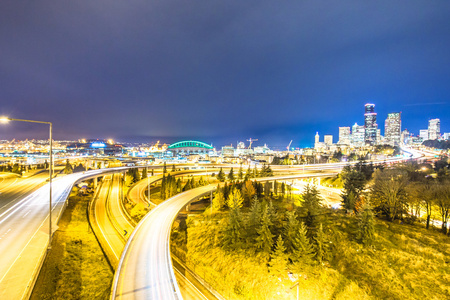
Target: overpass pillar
188 207
95 182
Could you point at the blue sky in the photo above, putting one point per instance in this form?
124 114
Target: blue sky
221 71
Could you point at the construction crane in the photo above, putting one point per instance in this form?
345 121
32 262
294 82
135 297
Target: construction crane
251 141
289 146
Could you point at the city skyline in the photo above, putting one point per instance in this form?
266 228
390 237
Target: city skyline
221 72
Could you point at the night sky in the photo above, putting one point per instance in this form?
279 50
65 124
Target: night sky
221 71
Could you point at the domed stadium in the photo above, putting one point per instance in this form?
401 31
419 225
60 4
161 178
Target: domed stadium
190 147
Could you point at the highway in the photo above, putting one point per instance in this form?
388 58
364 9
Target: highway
145 270
109 223
24 232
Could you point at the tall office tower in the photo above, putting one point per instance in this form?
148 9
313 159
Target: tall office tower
328 139
370 124
358 135
423 133
392 129
344 135
316 138
434 129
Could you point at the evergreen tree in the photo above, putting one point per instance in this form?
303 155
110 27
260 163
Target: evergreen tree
283 188
290 230
302 250
311 205
153 172
68 169
231 175
278 258
275 187
221 175
248 174
321 245
218 200
354 183
173 168
163 187
264 240
240 173
366 229
235 199
253 221
233 231
271 212
248 191
267 188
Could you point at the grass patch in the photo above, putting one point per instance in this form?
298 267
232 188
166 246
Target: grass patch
76 267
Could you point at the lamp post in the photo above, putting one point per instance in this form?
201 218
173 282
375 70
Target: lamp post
50 171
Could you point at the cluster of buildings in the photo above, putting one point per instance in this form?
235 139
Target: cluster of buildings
369 134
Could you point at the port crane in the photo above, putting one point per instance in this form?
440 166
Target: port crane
251 141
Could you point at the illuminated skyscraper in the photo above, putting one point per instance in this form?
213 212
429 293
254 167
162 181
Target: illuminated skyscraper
423 134
357 135
392 129
370 124
328 139
434 129
344 135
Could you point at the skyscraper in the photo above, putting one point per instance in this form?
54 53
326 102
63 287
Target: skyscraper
434 129
392 129
370 124
328 139
344 135
423 133
357 135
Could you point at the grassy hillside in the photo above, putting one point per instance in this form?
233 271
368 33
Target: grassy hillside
404 262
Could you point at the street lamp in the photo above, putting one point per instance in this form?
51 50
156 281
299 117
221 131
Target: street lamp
50 171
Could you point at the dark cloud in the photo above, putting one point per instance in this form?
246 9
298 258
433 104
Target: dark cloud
221 69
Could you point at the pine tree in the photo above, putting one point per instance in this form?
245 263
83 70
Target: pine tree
235 199
221 175
311 204
366 228
264 240
163 187
231 175
248 191
218 200
267 188
283 188
241 173
233 231
253 222
248 174
321 245
302 250
275 187
278 258
271 212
